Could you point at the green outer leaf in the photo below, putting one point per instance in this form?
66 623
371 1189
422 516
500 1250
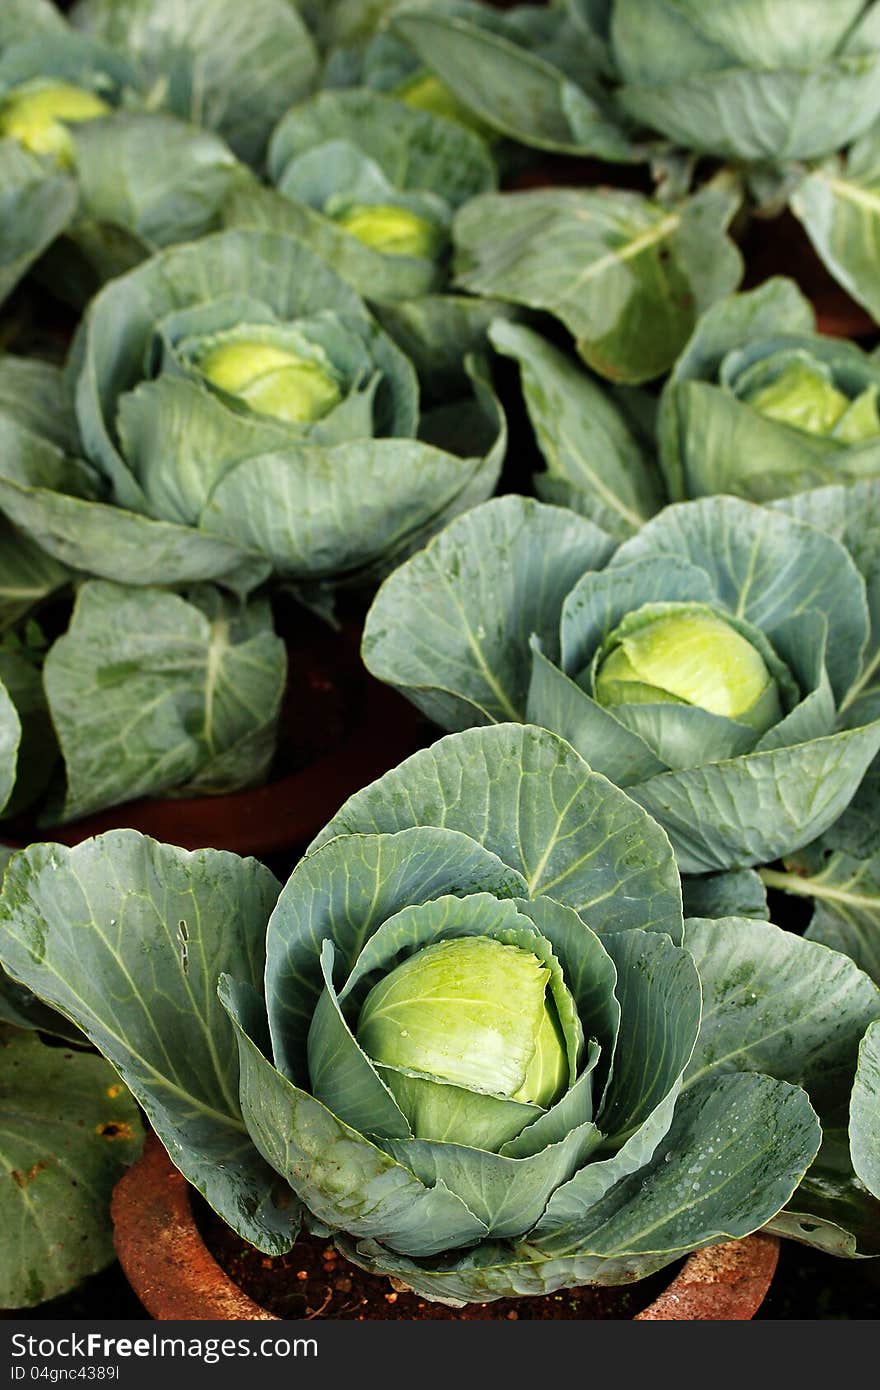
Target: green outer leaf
583 435
10 738
511 89
508 1194
70 57
160 179
343 1179
753 809
321 513
655 41
35 206
232 70
660 1000
832 1210
451 626
21 1009
732 448
851 514
770 116
864 1122
121 545
343 891
766 568
753 1135
341 1075
436 331
626 276
21 19
179 440
95 932
68 1131
839 205
149 692
526 795
591 976
775 307
37 748
556 702
778 1004
416 150
34 394
686 1198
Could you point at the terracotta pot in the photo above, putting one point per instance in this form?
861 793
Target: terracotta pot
340 729
174 1274
780 246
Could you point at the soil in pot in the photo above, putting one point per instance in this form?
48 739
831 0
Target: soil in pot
315 1281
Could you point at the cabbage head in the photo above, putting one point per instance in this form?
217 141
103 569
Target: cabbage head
758 405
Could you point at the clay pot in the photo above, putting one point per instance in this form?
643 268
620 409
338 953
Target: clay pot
174 1274
340 729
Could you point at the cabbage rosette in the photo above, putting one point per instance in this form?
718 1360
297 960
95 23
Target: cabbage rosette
471 1039
237 412
85 165
761 405
786 91
718 665
146 692
750 80
371 184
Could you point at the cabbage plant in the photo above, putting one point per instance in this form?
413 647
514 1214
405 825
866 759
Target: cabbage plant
719 664
120 129
786 92
88 169
236 412
372 185
761 405
471 1039
758 405
144 692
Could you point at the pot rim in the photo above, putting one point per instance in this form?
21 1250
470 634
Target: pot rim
175 1276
